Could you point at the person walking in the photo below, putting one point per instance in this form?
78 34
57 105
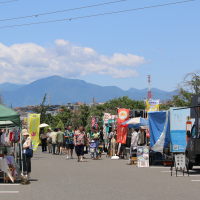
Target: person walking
69 142
43 138
60 137
64 142
49 140
95 137
79 141
26 159
54 140
113 136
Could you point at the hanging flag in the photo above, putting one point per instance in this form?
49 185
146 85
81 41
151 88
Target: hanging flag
123 115
106 117
152 105
93 122
34 122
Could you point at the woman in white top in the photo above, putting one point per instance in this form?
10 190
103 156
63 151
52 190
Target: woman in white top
26 159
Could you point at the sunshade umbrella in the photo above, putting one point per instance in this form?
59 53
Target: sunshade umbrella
43 125
142 122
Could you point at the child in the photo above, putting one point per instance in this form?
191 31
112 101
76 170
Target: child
92 148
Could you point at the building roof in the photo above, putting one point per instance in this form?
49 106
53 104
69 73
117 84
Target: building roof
101 103
17 108
79 103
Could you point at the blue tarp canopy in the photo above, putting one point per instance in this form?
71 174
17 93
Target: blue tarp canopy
159 127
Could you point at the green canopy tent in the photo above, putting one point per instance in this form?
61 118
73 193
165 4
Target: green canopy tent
9 118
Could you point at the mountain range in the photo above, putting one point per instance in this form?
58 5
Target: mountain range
63 91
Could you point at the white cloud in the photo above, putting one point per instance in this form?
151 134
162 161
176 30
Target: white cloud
23 63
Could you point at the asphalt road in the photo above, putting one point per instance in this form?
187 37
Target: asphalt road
54 177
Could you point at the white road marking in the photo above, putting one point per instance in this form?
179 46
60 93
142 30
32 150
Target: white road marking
159 167
187 175
168 171
8 184
9 192
195 180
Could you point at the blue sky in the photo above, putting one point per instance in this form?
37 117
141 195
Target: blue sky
111 50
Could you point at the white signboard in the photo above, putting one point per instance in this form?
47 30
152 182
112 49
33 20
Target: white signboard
180 161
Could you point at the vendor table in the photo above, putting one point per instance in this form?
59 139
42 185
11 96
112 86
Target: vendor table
4 166
11 160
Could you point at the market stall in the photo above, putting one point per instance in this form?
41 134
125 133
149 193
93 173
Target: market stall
9 119
168 133
140 124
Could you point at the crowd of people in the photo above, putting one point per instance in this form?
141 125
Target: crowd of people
63 142
68 141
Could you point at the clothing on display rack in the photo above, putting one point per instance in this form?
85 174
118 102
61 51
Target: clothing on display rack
3 135
15 135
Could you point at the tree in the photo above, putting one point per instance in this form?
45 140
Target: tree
75 118
60 125
186 89
63 115
69 123
84 113
42 109
191 82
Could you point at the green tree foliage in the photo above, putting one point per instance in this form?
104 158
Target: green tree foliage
84 113
123 102
75 118
60 125
186 89
63 115
42 109
69 123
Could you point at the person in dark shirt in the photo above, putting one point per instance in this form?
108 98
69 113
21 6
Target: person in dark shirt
101 134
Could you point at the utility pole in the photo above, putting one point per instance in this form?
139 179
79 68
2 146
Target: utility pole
149 95
1 98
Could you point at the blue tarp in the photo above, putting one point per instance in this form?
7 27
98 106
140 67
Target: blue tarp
159 127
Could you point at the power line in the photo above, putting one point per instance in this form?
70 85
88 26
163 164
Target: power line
60 11
8 1
101 14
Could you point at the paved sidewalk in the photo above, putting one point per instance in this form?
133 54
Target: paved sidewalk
54 177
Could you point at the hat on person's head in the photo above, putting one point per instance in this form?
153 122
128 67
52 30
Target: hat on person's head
25 132
55 129
49 129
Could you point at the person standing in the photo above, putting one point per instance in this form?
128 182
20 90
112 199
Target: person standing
101 136
26 159
60 137
49 140
79 141
64 142
54 140
109 140
113 137
43 138
134 144
69 138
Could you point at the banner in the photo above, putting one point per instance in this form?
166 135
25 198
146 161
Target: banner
34 122
106 117
93 122
123 115
152 105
